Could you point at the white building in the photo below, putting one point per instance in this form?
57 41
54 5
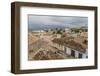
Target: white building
76 53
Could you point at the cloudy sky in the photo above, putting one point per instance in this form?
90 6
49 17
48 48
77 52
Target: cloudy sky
37 22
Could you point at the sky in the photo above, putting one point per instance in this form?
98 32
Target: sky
38 22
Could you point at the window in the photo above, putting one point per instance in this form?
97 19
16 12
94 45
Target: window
80 55
73 53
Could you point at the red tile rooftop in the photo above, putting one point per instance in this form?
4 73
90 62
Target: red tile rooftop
71 43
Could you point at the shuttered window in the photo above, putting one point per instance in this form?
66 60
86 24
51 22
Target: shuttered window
73 53
80 55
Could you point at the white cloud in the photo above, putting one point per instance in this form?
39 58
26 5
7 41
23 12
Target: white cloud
56 20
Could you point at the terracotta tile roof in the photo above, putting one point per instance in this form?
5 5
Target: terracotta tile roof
31 38
69 42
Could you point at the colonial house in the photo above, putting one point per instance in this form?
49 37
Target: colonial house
76 53
67 30
58 35
84 34
72 48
